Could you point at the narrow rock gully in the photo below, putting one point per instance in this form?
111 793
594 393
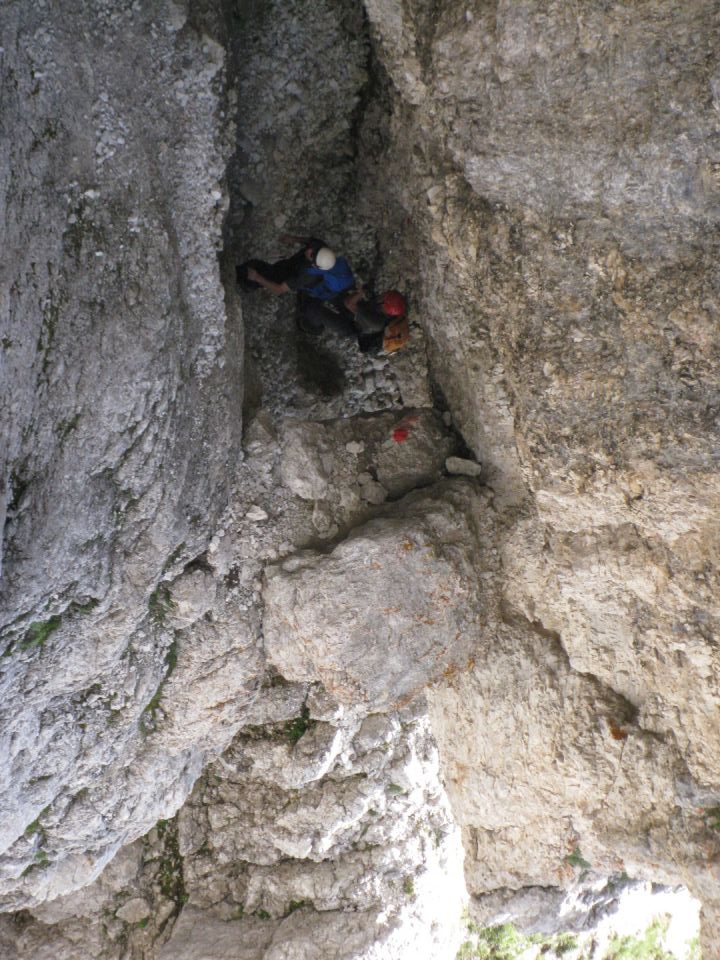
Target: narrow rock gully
326 821
299 169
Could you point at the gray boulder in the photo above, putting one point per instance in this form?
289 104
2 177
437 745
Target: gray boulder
391 609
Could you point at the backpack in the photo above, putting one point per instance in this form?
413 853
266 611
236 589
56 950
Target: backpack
396 335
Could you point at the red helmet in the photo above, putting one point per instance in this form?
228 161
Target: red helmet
393 303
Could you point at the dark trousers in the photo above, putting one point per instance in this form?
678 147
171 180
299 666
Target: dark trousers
279 272
318 315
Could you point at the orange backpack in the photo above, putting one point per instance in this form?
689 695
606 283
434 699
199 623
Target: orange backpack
396 335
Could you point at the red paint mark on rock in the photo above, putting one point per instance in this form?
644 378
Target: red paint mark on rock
402 429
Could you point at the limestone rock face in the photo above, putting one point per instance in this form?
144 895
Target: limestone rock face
356 858
298 691
558 173
117 455
573 112
388 611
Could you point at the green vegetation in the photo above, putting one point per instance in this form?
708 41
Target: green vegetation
408 887
41 860
171 875
395 790
153 705
647 947
171 658
82 608
38 633
493 943
262 914
160 603
295 905
294 729
693 949
174 557
149 714
36 826
575 859
711 815
564 943
505 943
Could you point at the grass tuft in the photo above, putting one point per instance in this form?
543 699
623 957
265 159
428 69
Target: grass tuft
294 729
38 633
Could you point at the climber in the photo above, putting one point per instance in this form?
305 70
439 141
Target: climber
312 272
377 322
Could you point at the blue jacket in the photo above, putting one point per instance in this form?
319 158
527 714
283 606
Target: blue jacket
333 282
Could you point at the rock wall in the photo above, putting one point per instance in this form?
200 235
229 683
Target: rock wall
350 794
393 661
556 168
118 458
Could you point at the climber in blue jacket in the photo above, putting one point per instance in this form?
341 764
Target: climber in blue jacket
314 271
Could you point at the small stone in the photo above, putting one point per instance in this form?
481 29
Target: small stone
447 418
305 464
332 531
355 446
434 194
134 910
374 492
321 518
364 478
462 467
256 513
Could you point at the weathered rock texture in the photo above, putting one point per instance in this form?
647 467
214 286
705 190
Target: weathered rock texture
121 422
390 610
541 180
558 168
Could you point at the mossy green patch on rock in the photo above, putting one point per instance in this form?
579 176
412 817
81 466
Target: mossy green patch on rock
295 728
38 633
171 865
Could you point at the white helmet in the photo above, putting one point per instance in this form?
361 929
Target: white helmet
325 259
